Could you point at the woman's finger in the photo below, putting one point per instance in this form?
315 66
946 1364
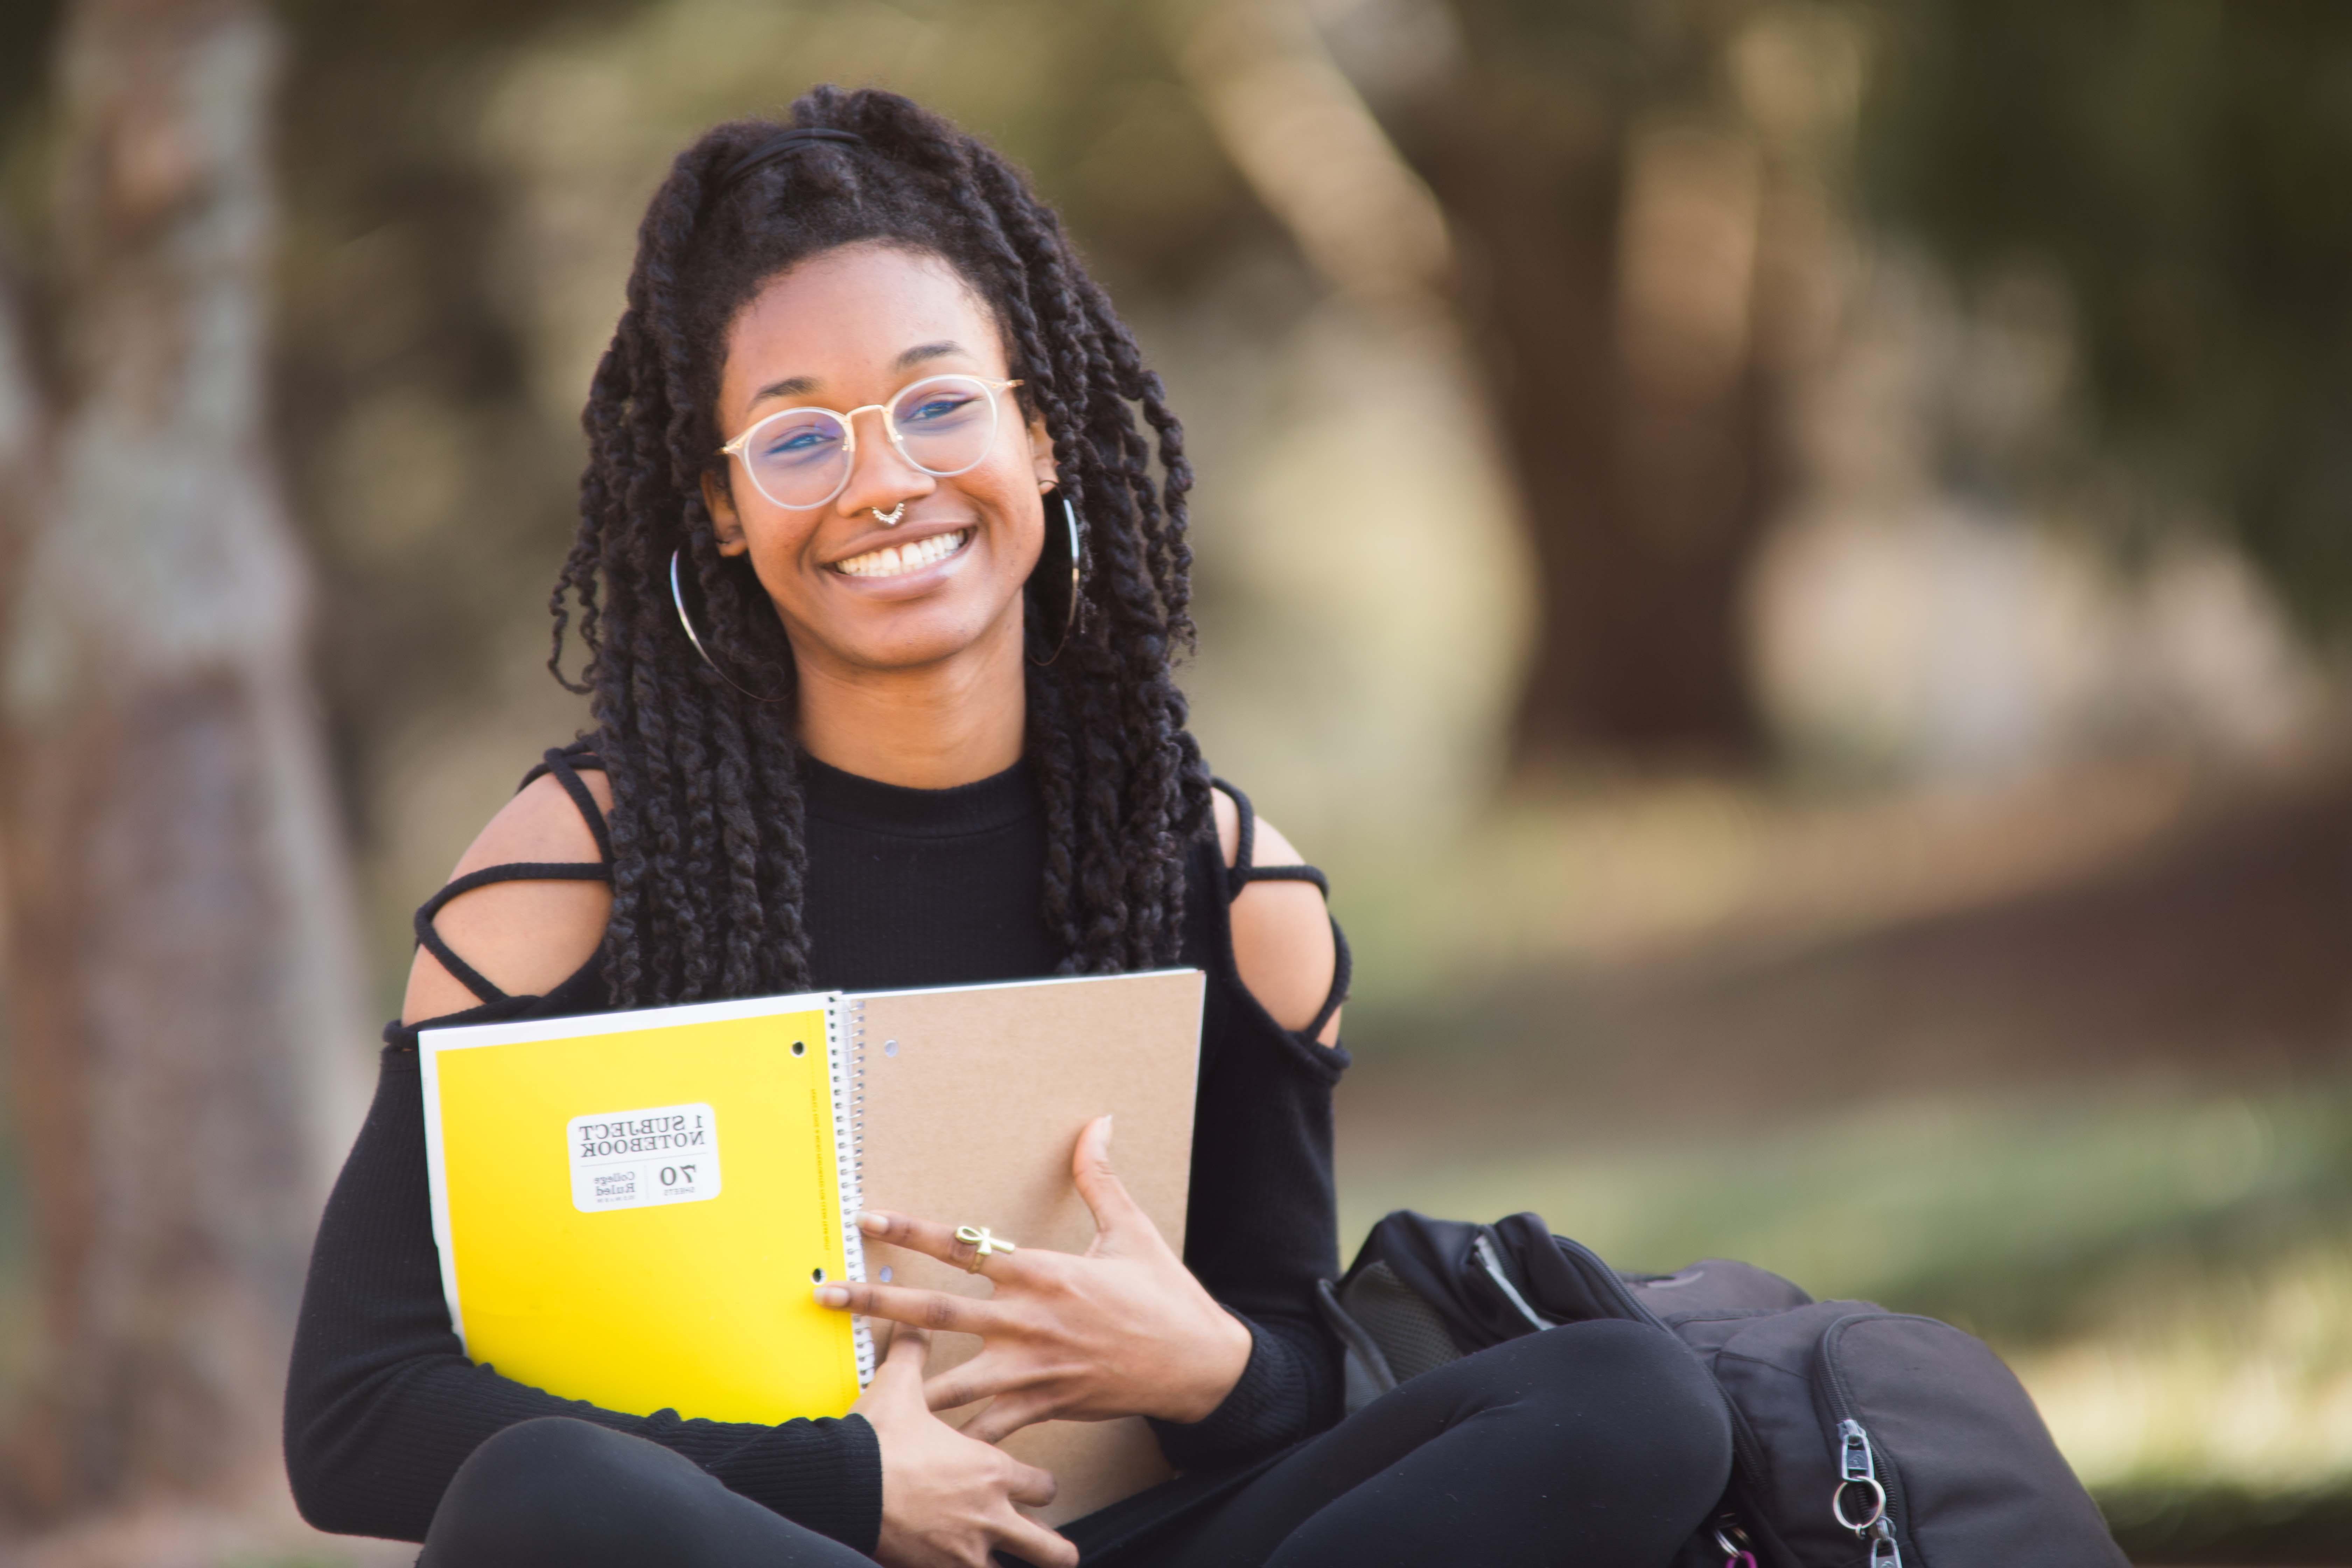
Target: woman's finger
923 1309
1106 1195
1005 1416
1028 1485
901 1375
907 1350
931 1239
1033 1543
984 1376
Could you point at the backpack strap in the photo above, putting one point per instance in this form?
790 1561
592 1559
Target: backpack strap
1244 870
563 763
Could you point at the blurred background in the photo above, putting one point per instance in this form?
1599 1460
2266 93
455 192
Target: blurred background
1789 556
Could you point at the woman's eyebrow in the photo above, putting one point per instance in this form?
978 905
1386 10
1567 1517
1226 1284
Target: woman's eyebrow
802 386
793 386
922 352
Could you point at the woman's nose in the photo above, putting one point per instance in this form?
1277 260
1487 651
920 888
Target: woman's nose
881 477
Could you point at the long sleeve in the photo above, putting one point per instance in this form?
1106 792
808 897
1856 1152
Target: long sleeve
1262 1226
382 1405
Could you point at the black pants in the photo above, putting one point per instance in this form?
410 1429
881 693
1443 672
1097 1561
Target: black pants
1596 1446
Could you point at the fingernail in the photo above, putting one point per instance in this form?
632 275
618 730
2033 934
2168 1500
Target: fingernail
867 1220
832 1296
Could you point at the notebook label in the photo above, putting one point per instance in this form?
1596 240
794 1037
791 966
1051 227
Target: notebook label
637 1159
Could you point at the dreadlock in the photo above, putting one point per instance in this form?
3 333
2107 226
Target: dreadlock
708 850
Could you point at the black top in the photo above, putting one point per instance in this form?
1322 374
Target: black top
905 888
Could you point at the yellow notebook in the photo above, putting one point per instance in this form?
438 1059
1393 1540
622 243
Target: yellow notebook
633 1208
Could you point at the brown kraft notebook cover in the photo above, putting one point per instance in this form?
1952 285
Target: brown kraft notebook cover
973 1097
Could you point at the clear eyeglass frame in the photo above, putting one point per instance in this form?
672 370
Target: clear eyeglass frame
738 448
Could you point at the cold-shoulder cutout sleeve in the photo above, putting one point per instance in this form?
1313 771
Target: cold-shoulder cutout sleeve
526 906
1291 954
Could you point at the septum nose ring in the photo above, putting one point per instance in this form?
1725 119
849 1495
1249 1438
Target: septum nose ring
889 519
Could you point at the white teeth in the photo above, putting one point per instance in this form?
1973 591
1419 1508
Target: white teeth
894 560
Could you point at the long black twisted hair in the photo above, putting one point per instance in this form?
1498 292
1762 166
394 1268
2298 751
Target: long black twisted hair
707 820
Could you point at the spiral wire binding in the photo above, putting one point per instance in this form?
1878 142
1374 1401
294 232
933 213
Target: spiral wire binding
845 1038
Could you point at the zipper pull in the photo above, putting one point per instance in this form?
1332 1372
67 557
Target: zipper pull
1491 1261
1854 1456
1732 1542
1858 1468
1883 1553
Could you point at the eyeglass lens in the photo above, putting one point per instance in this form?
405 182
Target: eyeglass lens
799 458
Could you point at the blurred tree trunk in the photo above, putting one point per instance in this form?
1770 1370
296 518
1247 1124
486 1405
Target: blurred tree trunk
24 428
182 978
1608 210
1640 439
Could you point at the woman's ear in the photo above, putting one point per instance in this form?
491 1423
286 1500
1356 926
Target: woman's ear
1041 455
724 522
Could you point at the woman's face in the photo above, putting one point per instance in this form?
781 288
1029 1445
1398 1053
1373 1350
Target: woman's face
842 329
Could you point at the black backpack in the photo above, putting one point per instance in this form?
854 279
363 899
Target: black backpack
1859 1437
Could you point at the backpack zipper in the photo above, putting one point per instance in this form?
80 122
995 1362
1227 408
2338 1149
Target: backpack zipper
1857 1468
1858 1464
1492 1262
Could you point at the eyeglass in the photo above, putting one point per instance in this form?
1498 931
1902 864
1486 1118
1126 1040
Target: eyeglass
799 458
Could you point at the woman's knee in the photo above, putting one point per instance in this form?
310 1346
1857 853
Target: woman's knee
560 1449
527 1492
1619 1344
1668 1401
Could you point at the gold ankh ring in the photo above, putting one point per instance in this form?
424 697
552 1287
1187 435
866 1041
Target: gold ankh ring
982 1245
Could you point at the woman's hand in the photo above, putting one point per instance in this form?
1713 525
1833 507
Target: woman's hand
1122 1329
947 1498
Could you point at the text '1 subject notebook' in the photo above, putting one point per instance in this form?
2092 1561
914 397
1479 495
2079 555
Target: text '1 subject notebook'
633 1208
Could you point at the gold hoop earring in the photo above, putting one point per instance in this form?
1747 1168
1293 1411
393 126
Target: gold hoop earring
686 622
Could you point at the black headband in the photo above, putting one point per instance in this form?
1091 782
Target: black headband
766 153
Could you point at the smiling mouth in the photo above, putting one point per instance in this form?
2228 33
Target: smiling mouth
897 559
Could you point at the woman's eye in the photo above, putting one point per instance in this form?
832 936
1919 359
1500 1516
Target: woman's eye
933 409
798 444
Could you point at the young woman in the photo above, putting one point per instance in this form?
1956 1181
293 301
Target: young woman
856 729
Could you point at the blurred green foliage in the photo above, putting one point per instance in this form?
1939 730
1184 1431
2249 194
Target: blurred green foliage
2182 166
2021 1221
2168 1523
